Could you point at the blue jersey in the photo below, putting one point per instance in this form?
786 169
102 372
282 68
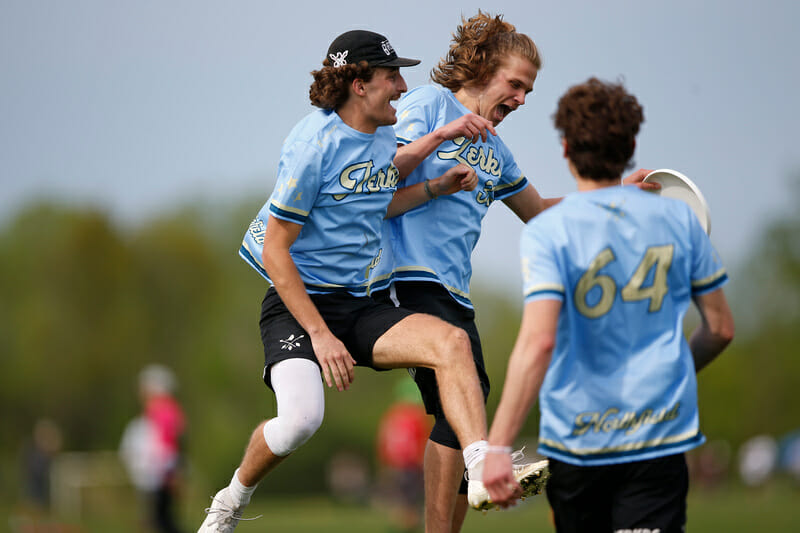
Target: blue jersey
625 264
337 183
434 241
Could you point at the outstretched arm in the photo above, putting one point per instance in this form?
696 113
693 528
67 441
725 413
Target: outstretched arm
333 357
527 203
527 367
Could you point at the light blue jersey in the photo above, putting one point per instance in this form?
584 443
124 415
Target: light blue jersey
621 383
337 183
434 241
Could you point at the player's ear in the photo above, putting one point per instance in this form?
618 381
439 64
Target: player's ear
358 87
565 146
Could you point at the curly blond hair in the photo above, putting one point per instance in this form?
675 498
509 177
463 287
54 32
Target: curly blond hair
479 47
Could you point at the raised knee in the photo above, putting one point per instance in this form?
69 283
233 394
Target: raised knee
456 346
283 436
306 426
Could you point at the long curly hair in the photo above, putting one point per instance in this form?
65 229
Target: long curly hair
478 48
599 121
330 88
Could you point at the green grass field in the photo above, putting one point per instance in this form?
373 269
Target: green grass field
774 508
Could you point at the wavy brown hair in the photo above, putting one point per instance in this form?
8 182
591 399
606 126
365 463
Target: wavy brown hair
479 47
330 88
600 122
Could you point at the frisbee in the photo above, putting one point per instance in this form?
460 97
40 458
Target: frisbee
676 185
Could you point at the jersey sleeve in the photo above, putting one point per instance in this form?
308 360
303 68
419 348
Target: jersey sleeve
541 277
417 114
512 180
299 182
708 272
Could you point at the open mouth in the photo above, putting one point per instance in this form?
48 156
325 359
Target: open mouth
503 111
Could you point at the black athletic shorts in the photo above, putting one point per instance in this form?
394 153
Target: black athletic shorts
433 298
643 496
356 321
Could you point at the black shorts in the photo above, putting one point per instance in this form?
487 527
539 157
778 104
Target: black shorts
433 298
647 495
356 321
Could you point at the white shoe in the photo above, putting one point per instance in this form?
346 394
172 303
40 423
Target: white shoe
531 476
223 515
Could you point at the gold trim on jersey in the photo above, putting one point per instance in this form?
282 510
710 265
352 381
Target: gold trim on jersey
435 279
295 210
514 183
631 446
256 257
710 279
557 287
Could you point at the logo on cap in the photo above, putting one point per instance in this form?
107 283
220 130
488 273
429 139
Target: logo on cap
339 58
387 48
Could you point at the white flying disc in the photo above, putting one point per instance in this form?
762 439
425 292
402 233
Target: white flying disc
676 185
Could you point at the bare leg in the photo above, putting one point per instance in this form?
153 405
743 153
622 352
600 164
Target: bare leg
424 340
258 460
444 470
460 512
301 406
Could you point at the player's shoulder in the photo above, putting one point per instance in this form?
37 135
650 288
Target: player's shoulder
551 220
573 202
427 94
671 210
574 209
428 90
314 126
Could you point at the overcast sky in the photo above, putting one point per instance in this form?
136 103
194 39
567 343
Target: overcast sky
136 107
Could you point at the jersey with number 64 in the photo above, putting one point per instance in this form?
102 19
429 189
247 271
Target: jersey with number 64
621 382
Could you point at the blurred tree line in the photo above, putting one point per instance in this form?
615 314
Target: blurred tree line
85 304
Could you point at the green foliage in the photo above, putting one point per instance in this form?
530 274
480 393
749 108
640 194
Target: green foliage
85 304
768 295
751 388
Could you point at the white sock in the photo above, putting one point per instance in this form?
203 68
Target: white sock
473 458
239 493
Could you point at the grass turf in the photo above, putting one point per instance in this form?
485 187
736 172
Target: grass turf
732 509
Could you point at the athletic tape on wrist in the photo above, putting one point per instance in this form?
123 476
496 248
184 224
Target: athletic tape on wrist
498 449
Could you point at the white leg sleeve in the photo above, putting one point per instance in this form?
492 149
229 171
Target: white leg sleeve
301 405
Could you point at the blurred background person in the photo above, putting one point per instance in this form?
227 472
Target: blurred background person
758 458
401 441
152 445
39 453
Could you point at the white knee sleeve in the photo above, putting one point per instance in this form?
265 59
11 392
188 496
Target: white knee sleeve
301 405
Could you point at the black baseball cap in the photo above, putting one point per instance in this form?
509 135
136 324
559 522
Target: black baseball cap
362 45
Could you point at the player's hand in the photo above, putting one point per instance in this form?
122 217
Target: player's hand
498 478
635 178
336 362
461 177
471 126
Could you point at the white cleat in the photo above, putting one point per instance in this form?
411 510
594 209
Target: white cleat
531 476
223 516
